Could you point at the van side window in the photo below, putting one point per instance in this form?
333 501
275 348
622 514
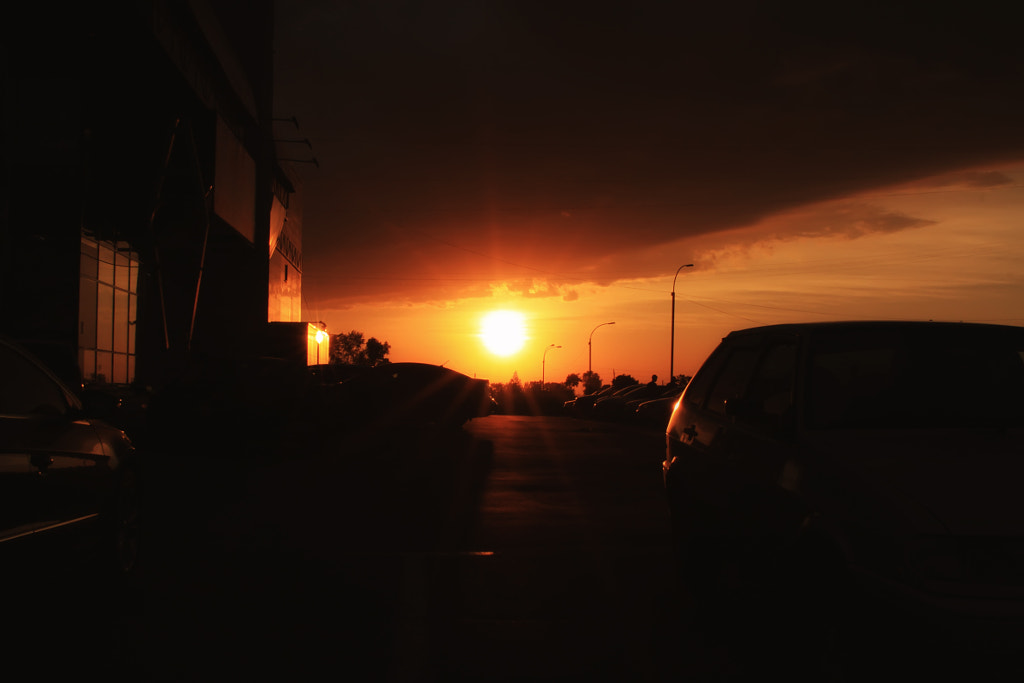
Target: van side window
733 379
697 390
770 394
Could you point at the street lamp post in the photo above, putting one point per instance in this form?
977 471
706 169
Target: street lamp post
590 349
543 360
672 343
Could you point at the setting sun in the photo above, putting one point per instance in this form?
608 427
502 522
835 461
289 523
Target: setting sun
503 332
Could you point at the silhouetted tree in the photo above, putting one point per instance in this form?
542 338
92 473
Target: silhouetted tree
622 381
591 382
346 348
573 381
376 351
515 398
351 349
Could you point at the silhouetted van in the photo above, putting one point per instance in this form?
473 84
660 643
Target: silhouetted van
834 470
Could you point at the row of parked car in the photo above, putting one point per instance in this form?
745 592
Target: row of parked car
645 404
819 470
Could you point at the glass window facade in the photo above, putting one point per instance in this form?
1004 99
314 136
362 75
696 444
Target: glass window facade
108 302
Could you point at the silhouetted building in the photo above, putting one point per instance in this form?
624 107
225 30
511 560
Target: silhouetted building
145 217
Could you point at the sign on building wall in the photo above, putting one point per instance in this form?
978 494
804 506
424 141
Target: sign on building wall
284 302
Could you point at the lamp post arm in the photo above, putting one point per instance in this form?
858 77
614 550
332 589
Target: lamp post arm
543 361
590 348
687 265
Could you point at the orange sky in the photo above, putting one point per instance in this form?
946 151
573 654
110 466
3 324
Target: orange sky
813 161
944 248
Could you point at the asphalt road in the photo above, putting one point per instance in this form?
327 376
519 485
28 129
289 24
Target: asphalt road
519 548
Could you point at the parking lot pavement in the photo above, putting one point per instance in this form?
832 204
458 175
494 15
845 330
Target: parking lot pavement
514 550
287 564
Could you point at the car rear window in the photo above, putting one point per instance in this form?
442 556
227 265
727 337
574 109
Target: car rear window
919 378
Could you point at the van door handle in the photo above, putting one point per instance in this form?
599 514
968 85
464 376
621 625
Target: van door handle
691 431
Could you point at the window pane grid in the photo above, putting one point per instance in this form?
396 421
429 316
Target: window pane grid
108 305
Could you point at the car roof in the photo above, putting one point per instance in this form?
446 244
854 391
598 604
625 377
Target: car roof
799 328
18 348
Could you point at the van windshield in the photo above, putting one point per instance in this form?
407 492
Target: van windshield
925 378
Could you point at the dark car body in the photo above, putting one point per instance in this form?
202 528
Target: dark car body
656 412
581 406
622 405
881 460
409 393
62 474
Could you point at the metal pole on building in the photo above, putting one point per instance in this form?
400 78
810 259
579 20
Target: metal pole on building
204 190
157 201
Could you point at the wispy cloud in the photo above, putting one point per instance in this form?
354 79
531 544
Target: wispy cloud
852 221
968 179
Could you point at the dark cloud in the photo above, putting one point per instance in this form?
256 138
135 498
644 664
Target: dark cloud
986 179
536 139
981 179
865 220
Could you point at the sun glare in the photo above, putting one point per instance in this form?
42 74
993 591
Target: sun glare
503 332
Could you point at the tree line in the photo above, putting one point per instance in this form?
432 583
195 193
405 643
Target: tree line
351 348
533 398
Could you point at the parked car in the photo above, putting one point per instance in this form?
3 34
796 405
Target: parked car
409 393
830 469
66 480
581 406
622 405
656 412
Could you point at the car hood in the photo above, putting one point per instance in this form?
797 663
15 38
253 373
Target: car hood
966 481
